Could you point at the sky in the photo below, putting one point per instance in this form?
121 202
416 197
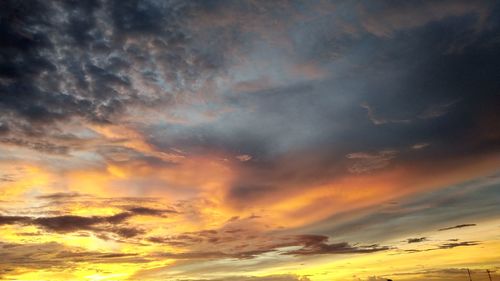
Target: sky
249 140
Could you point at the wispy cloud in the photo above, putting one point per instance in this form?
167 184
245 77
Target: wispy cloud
366 162
458 226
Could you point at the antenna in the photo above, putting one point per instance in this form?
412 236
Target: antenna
489 275
470 278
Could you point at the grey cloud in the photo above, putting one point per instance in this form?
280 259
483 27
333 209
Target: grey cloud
13 219
228 244
377 120
401 82
437 110
128 232
453 243
72 223
150 211
416 240
458 226
386 18
337 248
54 67
117 57
42 146
430 112
60 195
458 244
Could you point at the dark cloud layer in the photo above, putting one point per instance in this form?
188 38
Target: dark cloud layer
229 245
66 60
71 59
71 223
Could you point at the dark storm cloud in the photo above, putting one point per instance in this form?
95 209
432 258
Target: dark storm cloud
444 125
414 88
31 87
116 55
61 60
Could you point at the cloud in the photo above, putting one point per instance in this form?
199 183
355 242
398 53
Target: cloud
60 195
13 219
377 120
223 244
384 18
366 162
432 111
72 223
244 157
336 248
417 213
38 256
416 240
457 226
377 278
437 110
149 211
57 64
420 145
284 277
458 244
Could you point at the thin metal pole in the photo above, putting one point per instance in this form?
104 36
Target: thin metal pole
489 275
470 278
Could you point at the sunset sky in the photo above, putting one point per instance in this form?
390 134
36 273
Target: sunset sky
249 140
